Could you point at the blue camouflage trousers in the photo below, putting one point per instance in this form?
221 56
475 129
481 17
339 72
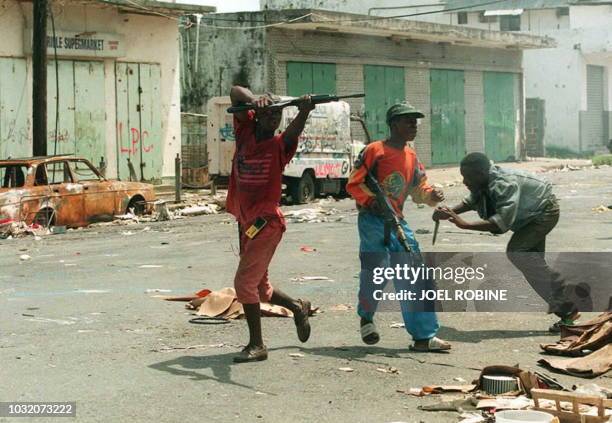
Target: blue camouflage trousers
373 253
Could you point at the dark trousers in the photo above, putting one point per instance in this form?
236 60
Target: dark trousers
526 250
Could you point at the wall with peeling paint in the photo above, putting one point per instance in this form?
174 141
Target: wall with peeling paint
215 59
559 76
259 59
148 39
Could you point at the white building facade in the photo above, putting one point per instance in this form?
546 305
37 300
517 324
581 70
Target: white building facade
568 89
117 69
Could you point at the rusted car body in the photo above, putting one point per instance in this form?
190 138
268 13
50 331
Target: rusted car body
67 191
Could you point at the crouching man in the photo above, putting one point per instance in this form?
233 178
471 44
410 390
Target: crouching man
253 198
513 200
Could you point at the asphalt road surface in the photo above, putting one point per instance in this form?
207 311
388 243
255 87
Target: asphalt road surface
80 320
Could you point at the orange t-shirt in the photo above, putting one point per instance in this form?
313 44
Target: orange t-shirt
398 171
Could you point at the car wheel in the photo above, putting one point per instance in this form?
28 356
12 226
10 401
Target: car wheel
304 190
137 204
45 217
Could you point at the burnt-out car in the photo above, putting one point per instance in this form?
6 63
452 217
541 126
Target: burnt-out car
67 191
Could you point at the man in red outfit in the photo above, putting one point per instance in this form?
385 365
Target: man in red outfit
253 198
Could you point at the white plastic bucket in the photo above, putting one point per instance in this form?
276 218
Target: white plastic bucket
523 416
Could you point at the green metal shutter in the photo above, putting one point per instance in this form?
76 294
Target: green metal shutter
447 116
90 111
299 78
500 115
310 78
593 118
323 78
384 86
139 130
65 141
14 134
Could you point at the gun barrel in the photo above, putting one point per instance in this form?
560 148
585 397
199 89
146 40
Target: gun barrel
317 99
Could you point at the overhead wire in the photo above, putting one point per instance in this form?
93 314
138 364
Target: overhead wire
289 21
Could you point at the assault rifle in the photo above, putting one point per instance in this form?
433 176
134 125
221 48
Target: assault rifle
389 215
316 99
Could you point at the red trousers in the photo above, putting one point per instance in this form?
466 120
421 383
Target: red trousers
251 280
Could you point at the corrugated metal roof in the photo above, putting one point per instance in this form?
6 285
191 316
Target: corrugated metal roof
508 4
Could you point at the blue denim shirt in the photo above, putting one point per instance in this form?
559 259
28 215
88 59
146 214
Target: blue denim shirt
512 199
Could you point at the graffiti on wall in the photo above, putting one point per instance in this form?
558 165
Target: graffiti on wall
138 140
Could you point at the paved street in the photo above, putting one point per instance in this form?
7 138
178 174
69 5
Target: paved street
80 321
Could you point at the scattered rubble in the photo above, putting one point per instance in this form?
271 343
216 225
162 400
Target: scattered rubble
390 370
224 305
532 392
20 229
341 307
311 278
602 209
198 210
590 342
313 215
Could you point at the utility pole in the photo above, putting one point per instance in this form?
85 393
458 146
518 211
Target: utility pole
39 73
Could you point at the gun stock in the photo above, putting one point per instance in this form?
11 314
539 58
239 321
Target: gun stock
390 216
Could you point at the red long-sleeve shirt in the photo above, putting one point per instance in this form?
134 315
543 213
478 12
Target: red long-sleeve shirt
257 171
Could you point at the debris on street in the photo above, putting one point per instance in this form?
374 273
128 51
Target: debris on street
223 304
15 229
390 370
198 210
590 342
341 307
311 278
572 407
510 388
313 215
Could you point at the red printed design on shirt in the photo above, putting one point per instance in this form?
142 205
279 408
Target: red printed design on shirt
257 170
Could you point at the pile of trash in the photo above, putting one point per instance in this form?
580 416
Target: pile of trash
313 215
164 210
509 394
16 229
589 344
224 305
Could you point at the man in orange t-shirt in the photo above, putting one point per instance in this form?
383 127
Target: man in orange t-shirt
399 173
253 198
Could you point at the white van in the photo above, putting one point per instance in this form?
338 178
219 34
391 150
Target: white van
325 155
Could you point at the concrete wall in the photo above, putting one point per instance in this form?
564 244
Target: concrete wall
474 120
149 39
542 21
351 52
363 7
552 75
222 58
590 16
